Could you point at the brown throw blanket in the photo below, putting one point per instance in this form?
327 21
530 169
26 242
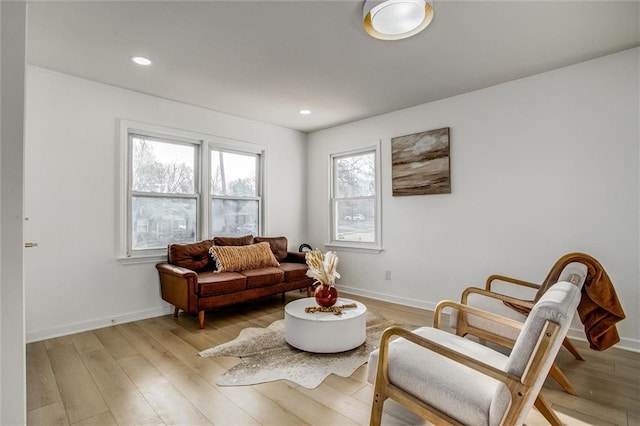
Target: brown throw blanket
599 307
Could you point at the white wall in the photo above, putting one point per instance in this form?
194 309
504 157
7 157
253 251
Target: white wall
12 348
540 167
73 279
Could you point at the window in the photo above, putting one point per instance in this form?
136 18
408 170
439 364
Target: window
355 203
163 198
235 200
180 187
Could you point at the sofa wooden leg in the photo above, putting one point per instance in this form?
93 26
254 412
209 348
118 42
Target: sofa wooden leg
201 319
176 310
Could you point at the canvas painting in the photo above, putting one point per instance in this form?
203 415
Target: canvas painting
420 163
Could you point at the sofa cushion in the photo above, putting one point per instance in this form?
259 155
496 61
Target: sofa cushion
192 256
278 246
293 271
233 241
239 258
216 283
263 277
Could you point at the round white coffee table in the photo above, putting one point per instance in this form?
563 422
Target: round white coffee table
325 332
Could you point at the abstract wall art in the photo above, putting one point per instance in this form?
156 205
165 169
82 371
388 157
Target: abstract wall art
420 163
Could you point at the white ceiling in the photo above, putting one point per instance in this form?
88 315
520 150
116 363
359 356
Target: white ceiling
266 60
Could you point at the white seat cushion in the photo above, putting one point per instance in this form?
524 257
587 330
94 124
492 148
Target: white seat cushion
441 383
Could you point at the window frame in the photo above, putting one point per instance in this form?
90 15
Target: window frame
334 243
197 176
259 196
204 145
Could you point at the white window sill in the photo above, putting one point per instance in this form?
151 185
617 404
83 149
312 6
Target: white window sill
133 260
353 248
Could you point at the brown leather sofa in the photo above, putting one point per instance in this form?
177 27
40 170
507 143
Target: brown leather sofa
190 281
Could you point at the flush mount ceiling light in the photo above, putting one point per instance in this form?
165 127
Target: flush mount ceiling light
396 19
140 60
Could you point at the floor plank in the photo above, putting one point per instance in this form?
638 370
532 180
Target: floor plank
309 410
78 391
208 400
41 382
86 342
170 404
340 401
115 343
104 419
52 414
126 403
248 399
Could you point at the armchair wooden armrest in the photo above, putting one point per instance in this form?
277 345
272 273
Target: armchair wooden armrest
504 330
440 307
487 293
509 280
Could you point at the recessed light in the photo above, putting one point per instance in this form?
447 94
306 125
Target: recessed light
305 111
140 60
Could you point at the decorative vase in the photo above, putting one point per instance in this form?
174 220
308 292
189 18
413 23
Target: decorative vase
326 295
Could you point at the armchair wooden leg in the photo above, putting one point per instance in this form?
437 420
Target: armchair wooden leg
574 351
176 310
546 411
562 380
201 319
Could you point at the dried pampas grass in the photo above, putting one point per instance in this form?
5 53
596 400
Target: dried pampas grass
322 267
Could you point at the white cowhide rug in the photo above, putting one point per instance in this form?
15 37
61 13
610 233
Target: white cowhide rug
265 356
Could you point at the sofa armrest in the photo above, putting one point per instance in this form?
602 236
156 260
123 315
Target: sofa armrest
176 271
295 257
179 286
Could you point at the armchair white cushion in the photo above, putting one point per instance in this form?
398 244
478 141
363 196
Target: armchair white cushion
463 393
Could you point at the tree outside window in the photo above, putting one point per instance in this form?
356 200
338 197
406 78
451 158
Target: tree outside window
180 187
354 200
235 197
163 200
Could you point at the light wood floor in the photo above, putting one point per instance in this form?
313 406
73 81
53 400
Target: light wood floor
148 372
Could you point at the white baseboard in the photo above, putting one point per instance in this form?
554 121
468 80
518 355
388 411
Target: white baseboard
624 344
78 327
574 333
414 303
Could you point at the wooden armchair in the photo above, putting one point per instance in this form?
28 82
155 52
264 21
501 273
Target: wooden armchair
516 309
448 379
